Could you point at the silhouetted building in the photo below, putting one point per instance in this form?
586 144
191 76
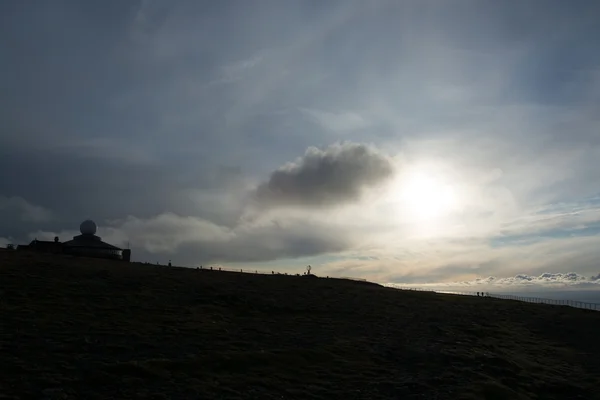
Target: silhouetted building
45 246
86 245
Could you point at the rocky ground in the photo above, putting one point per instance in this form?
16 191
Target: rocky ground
90 329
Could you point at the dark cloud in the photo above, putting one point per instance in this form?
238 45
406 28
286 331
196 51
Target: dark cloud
75 184
335 175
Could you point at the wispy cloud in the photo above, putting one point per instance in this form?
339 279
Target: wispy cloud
339 122
235 71
25 210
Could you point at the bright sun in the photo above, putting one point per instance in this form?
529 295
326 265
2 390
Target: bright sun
425 196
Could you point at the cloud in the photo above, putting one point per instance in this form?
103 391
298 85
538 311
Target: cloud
25 210
194 241
519 282
236 70
333 176
452 260
337 122
137 147
545 280
221 223
350 265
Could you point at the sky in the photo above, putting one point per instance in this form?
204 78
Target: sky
425 142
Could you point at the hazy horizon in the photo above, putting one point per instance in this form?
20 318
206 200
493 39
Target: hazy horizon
418 142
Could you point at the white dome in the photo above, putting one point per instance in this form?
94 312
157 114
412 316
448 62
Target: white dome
88 227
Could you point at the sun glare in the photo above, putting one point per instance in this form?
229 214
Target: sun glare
425 197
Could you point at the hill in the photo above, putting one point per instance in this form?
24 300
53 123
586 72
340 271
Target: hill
83 328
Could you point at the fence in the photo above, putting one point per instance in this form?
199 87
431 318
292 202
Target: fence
538 300
256 271
246 271
249 271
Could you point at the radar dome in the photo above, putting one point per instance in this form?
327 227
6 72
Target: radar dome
88 227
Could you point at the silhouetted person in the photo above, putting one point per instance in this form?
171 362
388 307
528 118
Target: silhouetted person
169 263
477 294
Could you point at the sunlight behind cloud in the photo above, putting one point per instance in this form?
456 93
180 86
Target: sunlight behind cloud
425 197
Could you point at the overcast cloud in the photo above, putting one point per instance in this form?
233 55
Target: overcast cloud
410 142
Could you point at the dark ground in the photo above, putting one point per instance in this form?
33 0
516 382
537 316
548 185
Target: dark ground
90 329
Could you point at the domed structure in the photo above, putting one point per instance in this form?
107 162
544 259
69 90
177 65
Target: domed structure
88 227
87 245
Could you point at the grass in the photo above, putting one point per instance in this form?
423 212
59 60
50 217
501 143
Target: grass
83 328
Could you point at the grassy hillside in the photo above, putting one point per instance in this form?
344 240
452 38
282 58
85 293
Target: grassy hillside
89 329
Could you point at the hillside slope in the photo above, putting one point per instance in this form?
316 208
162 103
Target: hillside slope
83 328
